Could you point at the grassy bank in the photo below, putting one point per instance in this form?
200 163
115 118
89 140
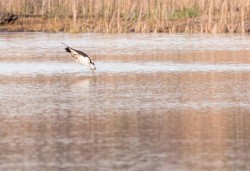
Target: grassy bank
119 16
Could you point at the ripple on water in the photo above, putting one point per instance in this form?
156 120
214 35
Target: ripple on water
33 44
57 68
135 115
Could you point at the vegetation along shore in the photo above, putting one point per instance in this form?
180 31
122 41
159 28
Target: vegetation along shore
123 16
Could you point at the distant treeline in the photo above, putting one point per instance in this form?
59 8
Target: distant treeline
141 15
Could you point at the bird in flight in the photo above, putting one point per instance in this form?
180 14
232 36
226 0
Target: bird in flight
81 57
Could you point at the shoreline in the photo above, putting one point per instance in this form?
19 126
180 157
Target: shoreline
82 25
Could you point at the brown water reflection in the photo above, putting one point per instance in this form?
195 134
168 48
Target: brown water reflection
161 121
163 141
184 106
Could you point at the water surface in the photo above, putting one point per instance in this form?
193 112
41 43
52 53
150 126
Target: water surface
156 102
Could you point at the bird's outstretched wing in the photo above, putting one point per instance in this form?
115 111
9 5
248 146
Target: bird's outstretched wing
81 57
74 51
81 53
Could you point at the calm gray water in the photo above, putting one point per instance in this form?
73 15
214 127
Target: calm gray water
38 44
157 102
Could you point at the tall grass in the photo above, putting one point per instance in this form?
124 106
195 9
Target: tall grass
140 15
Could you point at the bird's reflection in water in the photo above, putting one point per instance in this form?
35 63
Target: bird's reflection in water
82 86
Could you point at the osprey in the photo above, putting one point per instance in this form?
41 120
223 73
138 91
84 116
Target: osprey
81 57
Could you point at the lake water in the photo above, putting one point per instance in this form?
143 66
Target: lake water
156 102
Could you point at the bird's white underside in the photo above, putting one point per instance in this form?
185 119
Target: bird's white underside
82 60
85 60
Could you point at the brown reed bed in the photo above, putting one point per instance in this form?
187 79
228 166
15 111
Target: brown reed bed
122 16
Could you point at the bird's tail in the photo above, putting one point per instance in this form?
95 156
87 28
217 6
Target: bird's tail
67 48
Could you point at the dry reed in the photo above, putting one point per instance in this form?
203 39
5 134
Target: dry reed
134 15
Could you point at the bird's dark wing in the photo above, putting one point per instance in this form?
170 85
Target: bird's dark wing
81 53
71 50
75 52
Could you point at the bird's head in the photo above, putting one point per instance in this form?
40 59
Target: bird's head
92 66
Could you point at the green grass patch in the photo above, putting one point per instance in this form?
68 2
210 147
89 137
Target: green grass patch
185 13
